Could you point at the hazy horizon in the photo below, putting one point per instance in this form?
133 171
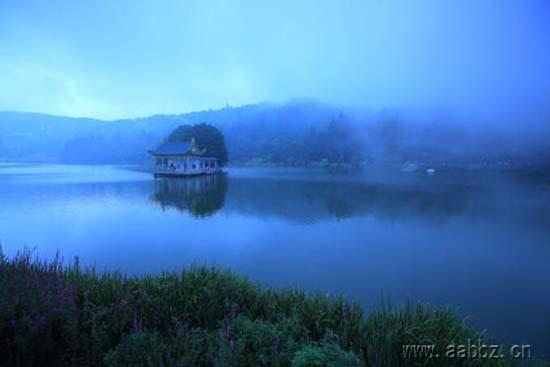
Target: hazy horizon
125 60
366 150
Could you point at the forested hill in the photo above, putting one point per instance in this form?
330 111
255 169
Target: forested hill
300 132
251 132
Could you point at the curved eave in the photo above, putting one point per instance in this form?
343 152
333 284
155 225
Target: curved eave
192 154
155 154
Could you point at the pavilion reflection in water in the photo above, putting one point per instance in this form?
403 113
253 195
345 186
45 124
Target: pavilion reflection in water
201 196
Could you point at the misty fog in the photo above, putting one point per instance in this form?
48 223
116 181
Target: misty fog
431 81
362 148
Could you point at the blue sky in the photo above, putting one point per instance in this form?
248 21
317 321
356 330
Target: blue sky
128 58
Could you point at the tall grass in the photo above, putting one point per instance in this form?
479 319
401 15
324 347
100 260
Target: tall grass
202 316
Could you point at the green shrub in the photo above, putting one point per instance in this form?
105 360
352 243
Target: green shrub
140 349
52 315
326 354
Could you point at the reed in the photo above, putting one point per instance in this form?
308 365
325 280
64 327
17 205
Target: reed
52 314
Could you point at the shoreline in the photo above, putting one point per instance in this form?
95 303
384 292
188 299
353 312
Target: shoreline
202 316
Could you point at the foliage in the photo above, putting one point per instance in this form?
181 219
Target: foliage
335 141
327 354
139 349
205 136
297 133
201 316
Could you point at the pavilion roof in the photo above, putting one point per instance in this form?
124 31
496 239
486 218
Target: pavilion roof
177 148
172 148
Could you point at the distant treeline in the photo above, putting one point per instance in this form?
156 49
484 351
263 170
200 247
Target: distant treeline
297 133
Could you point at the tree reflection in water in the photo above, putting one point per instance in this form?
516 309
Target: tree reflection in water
201 196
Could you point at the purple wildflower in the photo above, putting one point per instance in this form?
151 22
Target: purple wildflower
234 310
122 305
137 324
137 293
42 320
275 346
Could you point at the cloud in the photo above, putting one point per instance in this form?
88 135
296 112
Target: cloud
130 58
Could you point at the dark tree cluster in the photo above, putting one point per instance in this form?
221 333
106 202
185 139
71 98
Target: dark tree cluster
206 136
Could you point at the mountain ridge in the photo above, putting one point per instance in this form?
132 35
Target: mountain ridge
297 132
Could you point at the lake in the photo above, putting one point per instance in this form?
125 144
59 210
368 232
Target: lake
475 240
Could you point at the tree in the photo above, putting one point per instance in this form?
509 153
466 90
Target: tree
206 136
390 132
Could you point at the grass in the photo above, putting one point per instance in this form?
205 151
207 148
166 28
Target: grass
202 316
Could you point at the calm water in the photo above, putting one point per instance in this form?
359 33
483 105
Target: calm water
479 243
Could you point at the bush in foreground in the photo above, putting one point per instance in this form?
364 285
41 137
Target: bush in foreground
203 316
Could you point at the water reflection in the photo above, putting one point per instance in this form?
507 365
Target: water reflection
480 243
201 196
314 201
305 201
309 201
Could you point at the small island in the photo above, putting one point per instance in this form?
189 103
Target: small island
182 156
